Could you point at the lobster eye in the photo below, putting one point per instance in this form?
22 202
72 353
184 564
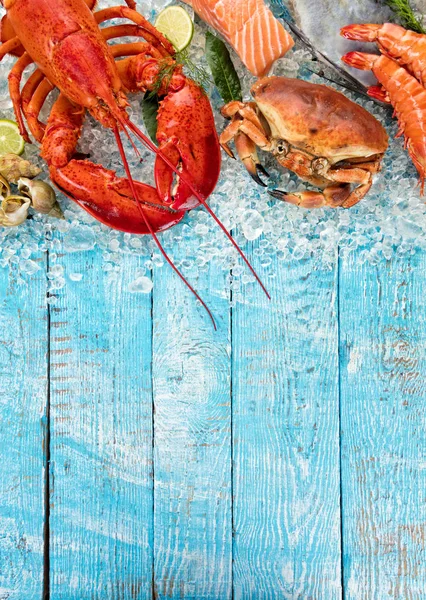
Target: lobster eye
282 147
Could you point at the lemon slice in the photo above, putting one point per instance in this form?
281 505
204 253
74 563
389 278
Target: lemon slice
11 141
176 24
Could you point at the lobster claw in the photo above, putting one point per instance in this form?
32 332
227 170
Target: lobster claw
187 136
109 198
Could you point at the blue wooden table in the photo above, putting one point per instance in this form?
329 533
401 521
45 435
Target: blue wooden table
146 456
143 455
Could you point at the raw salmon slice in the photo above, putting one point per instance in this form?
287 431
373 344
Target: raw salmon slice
251 29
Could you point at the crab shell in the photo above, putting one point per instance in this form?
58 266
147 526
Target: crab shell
318 120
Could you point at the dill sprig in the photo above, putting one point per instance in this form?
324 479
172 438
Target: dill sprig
195 72
167 67
163 79
406 15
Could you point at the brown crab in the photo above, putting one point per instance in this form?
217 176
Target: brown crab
316 132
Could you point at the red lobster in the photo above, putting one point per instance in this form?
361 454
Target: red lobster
70 51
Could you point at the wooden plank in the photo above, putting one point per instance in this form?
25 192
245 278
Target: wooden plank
383 389
286 436
192 433
23 400
101 435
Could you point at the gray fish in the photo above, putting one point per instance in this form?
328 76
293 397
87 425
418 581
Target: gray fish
318 23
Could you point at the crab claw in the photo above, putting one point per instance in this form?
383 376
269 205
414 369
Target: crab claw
262 169
247 152
109 198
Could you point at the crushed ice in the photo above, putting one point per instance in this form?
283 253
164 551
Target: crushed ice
391 219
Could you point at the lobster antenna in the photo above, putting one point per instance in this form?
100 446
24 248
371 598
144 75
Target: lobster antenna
202 201
151 231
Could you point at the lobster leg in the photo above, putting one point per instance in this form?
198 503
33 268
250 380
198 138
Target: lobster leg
126 30
33 107
98 190
15 77
150 33
8 35
9 47
92 3
30 87
135 48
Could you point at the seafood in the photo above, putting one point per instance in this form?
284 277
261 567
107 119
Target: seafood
70 51
316 132
14 210
407 96
406 47
319 21
251 29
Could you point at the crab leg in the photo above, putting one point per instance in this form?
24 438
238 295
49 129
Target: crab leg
247 152
244 110
257 135
352 175
333 196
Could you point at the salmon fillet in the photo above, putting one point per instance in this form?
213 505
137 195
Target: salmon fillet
251 29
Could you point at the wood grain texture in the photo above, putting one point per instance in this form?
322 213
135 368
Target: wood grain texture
286 437
23 400
383 389
192 434
101 435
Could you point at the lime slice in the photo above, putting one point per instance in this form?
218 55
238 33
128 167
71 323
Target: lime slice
176 24
11 141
